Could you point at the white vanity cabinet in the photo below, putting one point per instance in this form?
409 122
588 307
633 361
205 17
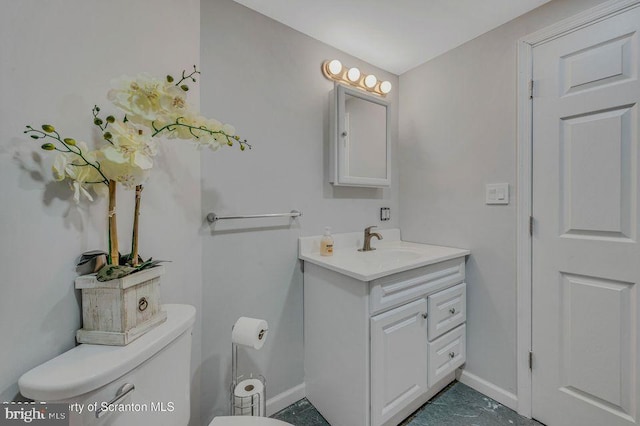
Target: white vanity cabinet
375 351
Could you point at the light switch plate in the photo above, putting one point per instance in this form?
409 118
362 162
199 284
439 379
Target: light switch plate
497 193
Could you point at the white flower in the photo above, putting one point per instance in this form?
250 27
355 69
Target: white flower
126 174
129 144
146 99
70 165
78 189
129 158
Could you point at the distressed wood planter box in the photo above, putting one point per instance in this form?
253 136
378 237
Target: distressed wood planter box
117 312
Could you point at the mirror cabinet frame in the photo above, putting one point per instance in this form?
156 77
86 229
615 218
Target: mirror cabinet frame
339 155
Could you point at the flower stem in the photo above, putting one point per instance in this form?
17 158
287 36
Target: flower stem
134 239
114 256
185 77
170 127
74 149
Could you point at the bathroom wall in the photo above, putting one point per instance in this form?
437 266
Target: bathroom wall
58 58
457 133
265 78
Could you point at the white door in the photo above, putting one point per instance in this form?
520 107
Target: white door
586 257
398 359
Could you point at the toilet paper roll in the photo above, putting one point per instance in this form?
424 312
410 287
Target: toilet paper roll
249 398
250 332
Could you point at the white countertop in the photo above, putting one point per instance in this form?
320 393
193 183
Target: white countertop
392 255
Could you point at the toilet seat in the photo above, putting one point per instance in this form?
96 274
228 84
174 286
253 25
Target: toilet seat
247 421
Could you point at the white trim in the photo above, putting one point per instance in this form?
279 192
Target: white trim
588 17
487 388
523 250
525 180
285 399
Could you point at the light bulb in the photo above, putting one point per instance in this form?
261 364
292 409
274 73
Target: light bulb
385 87
370 81
353 74
334 67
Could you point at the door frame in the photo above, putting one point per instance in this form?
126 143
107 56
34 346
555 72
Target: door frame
524 183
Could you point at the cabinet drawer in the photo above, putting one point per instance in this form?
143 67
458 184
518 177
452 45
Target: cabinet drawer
447 310
446 354
402 287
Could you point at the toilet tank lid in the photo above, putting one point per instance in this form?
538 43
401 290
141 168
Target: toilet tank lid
88 367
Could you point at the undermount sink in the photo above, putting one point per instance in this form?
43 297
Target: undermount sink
391 254
386 257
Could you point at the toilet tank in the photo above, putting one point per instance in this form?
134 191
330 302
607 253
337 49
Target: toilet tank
155 369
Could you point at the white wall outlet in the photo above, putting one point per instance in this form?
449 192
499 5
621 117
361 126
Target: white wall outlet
497 193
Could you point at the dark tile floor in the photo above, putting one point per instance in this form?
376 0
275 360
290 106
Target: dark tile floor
457 405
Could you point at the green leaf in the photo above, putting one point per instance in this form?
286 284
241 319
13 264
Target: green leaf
111 119
70 141
97 121
48 128
107 136
48 147
241 147
35 137
184 87
169 79
112 272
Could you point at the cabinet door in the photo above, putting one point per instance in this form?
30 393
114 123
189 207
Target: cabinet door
398 359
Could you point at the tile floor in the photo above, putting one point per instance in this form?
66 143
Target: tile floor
457 405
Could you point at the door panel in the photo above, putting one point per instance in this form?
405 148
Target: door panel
586 257
597 172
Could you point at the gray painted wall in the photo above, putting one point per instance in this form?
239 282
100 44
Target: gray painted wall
457 133
57 61
265 78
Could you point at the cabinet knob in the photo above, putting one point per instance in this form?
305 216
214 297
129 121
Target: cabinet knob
452 355
452 311
425 315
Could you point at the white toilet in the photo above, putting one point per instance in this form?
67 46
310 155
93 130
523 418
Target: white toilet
149 379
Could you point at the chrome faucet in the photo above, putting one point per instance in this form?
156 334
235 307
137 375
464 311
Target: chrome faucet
367 238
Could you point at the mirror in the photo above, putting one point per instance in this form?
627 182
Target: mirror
360 139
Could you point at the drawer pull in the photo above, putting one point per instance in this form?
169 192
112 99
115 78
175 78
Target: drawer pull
425 315
452 311
126 389
452 355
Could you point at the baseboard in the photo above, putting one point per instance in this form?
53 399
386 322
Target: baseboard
285 399
485 387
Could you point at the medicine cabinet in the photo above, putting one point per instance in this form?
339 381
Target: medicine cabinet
360 139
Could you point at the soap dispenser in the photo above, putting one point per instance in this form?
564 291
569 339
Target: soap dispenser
326 243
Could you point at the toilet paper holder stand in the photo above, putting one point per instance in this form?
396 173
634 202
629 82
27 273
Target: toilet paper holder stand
252 405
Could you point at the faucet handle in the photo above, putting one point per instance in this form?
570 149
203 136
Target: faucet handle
368 228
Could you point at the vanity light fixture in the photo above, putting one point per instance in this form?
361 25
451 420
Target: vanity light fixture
334 67
335 71
353 75
370 81
385 87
